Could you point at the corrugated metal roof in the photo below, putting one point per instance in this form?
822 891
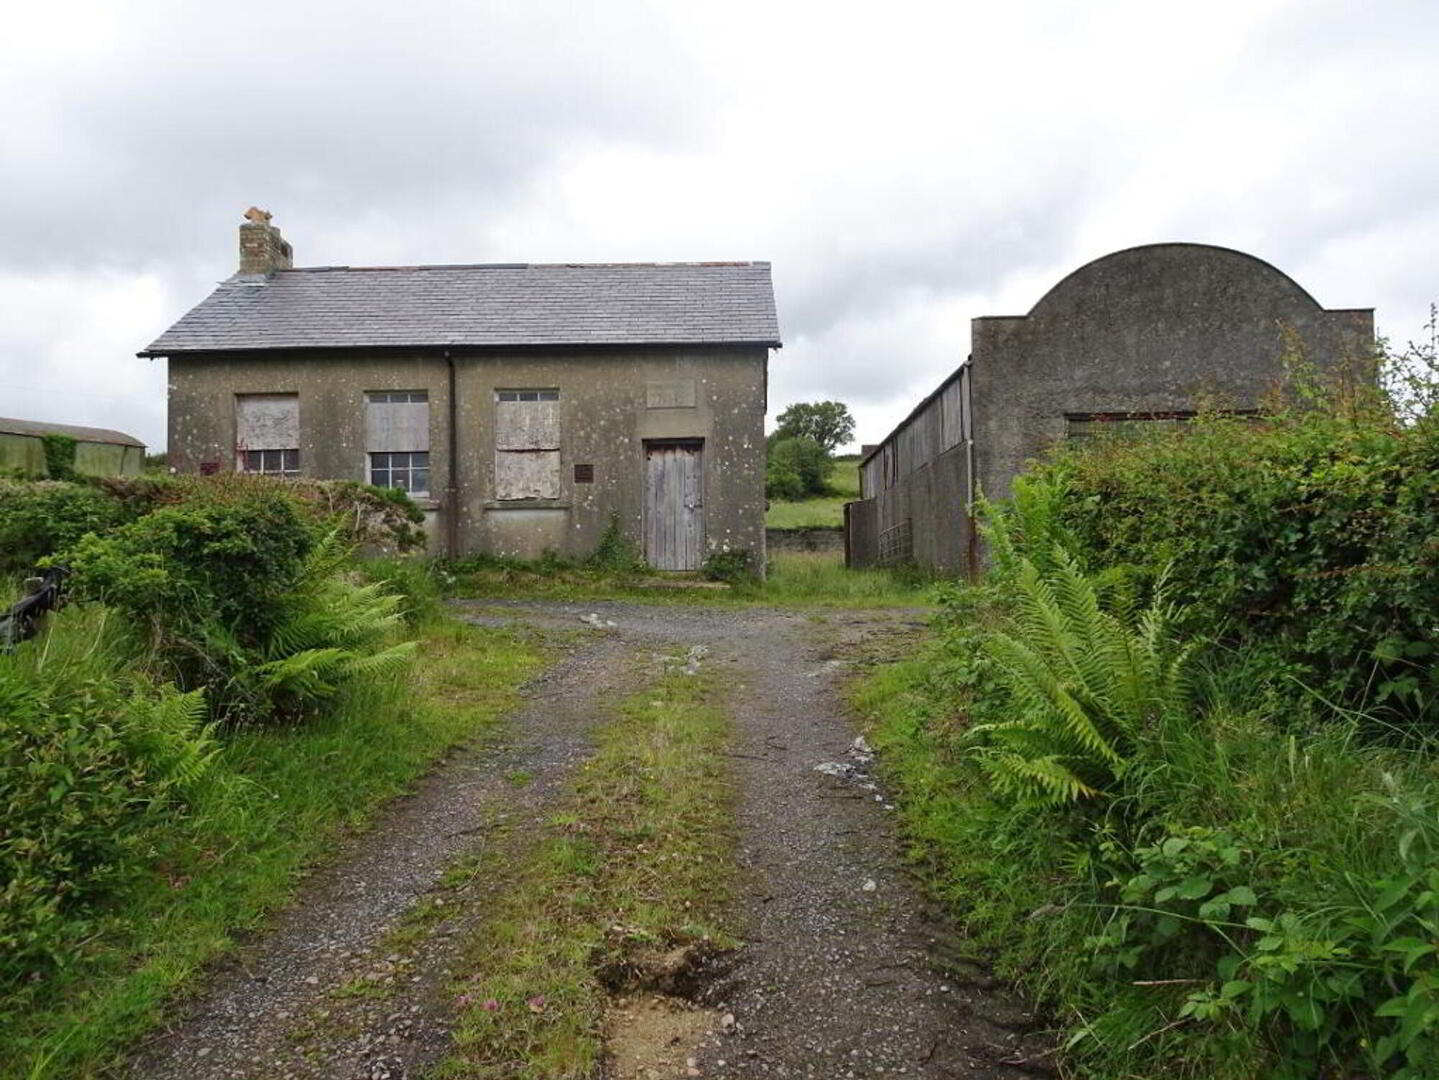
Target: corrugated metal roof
82 434
489 305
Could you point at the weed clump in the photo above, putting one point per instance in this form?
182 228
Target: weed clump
731 565
616 553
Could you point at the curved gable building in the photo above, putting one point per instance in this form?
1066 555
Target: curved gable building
1147 334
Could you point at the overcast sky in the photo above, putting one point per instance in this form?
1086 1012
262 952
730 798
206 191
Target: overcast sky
905 166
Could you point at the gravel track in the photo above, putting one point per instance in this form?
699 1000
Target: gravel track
272 1010
843 971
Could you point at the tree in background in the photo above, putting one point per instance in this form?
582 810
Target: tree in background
828 423
797 467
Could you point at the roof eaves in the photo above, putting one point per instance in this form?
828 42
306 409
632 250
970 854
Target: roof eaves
432 346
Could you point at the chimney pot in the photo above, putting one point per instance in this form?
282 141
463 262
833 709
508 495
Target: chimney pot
262 249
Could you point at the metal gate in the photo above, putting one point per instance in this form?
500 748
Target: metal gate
674 504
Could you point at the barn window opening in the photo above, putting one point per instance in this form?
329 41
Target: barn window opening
267 434
527 444
397 439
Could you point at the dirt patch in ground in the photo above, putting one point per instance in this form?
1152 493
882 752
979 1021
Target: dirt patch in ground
655 1037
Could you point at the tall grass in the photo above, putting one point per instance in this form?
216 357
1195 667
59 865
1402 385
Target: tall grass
824 510
821 578
274 802
799 579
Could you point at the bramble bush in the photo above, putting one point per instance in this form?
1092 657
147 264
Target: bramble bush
89 758
38 518
239 592
227 559
41 517
193 607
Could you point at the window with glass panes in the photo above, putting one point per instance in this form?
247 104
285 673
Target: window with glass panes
272 462
408 470
397 437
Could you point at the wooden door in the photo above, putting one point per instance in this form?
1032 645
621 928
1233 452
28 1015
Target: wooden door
674 504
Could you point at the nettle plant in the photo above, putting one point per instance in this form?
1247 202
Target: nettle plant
1344 980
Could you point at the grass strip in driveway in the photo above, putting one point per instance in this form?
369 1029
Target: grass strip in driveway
809 579
279 800
634 864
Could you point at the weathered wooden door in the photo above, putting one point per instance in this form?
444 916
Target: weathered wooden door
674 504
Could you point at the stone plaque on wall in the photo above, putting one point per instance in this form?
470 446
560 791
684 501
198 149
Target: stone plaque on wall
670 394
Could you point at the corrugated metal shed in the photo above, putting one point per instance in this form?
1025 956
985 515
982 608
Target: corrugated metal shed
79 434
98 451
486 305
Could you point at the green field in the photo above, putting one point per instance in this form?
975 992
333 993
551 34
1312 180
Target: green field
825 510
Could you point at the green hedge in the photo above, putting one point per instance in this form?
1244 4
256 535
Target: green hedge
1313 538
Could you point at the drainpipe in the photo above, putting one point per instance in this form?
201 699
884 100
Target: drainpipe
452 470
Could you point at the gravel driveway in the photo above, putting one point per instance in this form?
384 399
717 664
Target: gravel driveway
841 972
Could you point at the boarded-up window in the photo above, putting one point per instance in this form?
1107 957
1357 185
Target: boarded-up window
267 433
397 439
527 444
397 420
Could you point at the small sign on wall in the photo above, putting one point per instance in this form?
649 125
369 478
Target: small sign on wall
670 394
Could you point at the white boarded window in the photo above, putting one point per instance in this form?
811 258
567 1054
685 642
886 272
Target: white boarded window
267 434
397 439
527 444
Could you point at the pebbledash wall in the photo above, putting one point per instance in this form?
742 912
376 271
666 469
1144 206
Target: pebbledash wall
1149 333
611 401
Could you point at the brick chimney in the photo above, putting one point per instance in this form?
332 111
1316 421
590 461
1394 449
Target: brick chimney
262 249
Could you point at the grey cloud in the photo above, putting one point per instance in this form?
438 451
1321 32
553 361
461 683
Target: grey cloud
327 112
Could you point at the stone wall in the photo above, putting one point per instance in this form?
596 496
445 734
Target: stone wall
813 538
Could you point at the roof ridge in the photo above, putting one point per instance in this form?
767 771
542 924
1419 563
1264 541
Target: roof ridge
715 263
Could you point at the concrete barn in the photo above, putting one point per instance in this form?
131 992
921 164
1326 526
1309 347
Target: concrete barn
98 451
523 406
1145 335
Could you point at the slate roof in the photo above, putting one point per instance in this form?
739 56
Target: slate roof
79 434
515 304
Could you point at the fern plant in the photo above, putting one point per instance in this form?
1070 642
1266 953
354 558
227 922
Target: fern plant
1084 685
329 632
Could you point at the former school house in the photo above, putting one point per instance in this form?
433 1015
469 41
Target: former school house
523 406
1144 335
